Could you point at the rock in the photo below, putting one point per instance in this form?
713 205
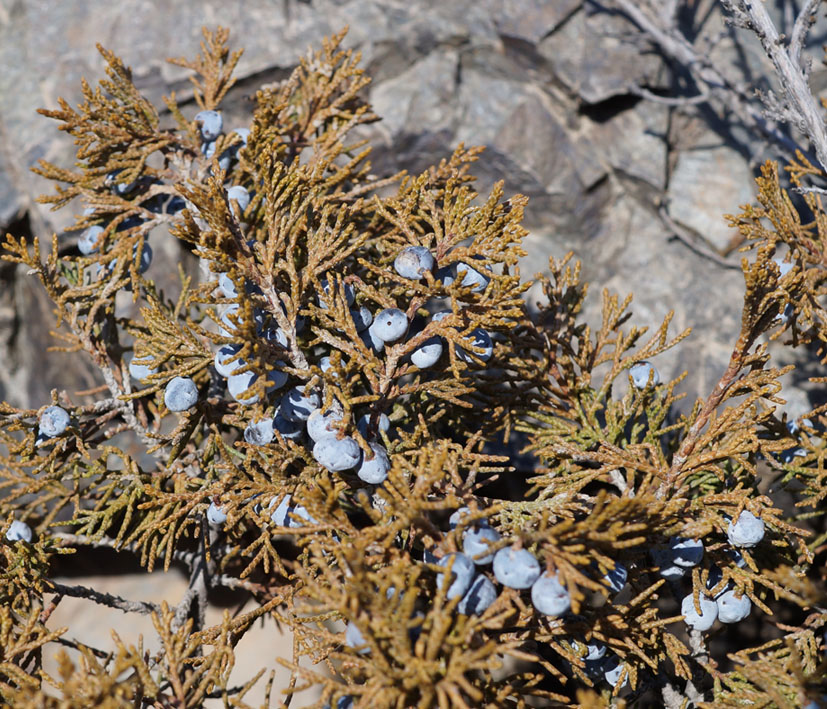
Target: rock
11 201
592 55
638 131
531 20
676 279
545 85
421 96
708 182
540 143
529 144
30 371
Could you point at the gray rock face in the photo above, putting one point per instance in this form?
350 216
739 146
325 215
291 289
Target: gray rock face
633 142
29 371
706 183
422 95
589 54
545 85
530 20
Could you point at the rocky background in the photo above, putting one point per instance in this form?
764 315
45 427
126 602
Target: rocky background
551 87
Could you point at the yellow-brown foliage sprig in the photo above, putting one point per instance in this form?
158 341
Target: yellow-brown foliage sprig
212 69
774 225
178 674
796 297
389 606
115 129
782 669
313 111
24 576
584 429
22 637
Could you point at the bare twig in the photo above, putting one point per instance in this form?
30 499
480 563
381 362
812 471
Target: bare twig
106 599
700 653
99 407
75 645
200 573
618 480
727 94
669 100
696 643
233 582
182 610
805 20
712 403
804 190
85 540
101 360
803 109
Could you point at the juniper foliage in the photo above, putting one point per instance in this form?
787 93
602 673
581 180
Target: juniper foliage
614 471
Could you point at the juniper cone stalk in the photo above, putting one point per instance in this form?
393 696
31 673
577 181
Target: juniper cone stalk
319 422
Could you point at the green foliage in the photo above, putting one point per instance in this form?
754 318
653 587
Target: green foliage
610 471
